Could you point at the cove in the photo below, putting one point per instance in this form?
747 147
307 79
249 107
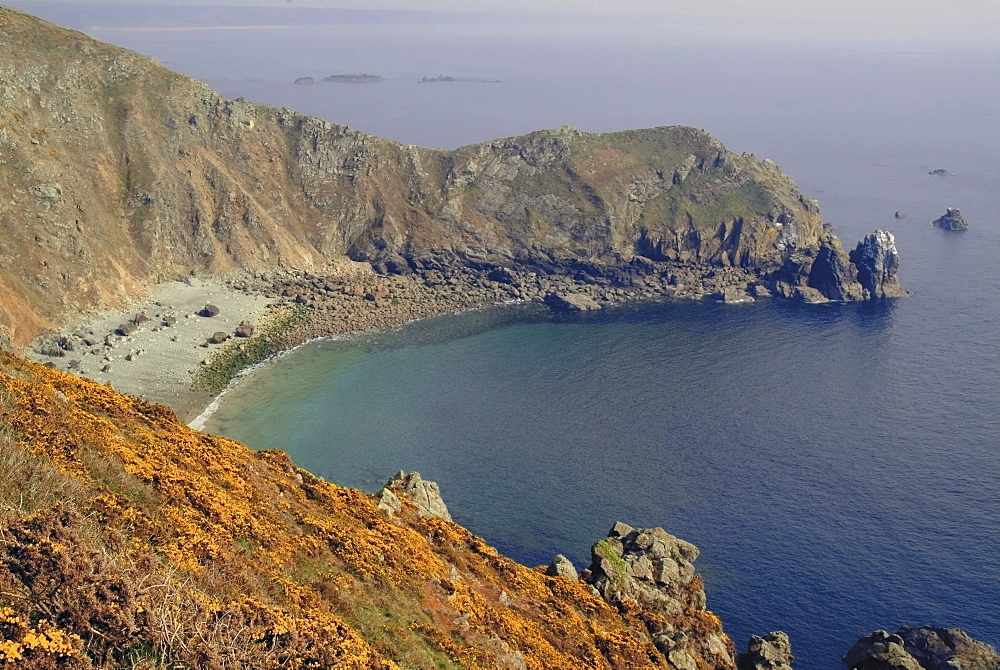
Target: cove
825 465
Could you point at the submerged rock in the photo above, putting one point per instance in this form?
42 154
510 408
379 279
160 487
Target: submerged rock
771 652
425 495
951 220
922 648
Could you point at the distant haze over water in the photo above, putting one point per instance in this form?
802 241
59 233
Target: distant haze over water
838 466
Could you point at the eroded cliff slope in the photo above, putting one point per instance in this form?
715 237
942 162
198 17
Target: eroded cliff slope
116 173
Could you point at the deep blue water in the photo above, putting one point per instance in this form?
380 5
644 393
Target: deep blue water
838 465
838 474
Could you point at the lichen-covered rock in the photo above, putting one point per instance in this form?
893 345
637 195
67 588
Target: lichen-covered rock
771 652
650 569
951 220
425 495
562 567
877 262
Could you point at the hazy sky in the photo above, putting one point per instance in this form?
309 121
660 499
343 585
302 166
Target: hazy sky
869 20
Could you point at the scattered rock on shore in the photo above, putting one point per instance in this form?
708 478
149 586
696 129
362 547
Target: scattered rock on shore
951 220
573 302
209 311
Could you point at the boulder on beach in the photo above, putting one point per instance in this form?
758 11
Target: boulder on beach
218 338
245 329
209 310
572 302
126 329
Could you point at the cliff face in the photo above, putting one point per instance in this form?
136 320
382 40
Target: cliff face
127 539
117 173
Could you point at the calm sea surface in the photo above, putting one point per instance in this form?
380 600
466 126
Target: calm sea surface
838 466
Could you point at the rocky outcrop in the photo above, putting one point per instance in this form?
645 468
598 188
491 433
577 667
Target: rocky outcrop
828 273
653 571
921 648
425 495
951 220
877 262
771 652
562 567
833 273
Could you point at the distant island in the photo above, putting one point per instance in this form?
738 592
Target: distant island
443 78
353 78
343 79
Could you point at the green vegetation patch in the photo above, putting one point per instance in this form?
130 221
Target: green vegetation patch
704 205
270 338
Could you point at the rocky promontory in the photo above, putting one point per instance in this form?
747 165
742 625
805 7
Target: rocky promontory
122 174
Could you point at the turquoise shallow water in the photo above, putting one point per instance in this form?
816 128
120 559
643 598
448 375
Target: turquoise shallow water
836 479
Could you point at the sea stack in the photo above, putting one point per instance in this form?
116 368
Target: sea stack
951 220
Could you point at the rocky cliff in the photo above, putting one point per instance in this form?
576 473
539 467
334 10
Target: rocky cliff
118 173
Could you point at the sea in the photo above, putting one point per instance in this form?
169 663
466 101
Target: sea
837 465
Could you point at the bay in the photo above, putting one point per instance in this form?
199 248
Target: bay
837 465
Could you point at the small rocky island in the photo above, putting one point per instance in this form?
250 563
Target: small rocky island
353 78
447 79
343 79
951 220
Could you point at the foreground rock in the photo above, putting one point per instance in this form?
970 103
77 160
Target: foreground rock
653 571
951 220
425 495
771 652
921 648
